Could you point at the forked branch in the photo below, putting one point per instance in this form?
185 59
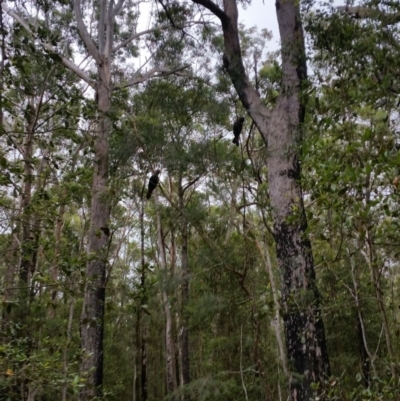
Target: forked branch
84 34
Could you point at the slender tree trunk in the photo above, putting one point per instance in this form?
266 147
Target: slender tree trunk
65 352
27 262
26 266
233 208
371 260
367 359
92 320
184 331
143 300
54 269
12 263
264 252
169 338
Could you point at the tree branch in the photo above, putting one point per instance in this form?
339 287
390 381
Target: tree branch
233 62
158 28
84 34
360 12
117 8
67 63
136 36
214 8
154 73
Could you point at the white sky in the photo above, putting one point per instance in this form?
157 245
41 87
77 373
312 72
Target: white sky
261 13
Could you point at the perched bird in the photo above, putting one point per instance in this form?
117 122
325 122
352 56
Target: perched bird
237 129
153 181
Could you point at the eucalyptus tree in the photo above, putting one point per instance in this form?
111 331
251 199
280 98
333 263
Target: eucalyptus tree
281 130
104 37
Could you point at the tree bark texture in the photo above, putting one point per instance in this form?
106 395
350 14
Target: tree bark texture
281 131
92 320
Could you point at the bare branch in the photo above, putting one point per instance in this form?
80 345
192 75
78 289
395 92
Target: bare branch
154 73
67 63
84 34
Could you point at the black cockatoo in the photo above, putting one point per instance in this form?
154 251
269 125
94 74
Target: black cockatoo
153 181
237 129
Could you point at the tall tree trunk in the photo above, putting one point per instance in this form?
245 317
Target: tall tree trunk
184 331
92 320
26 266
305 337
169 339
27 261
54 270
143 301
281 131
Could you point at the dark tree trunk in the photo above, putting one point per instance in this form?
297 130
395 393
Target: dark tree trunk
281 131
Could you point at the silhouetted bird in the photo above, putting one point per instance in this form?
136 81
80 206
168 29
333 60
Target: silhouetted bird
237 129
153 181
